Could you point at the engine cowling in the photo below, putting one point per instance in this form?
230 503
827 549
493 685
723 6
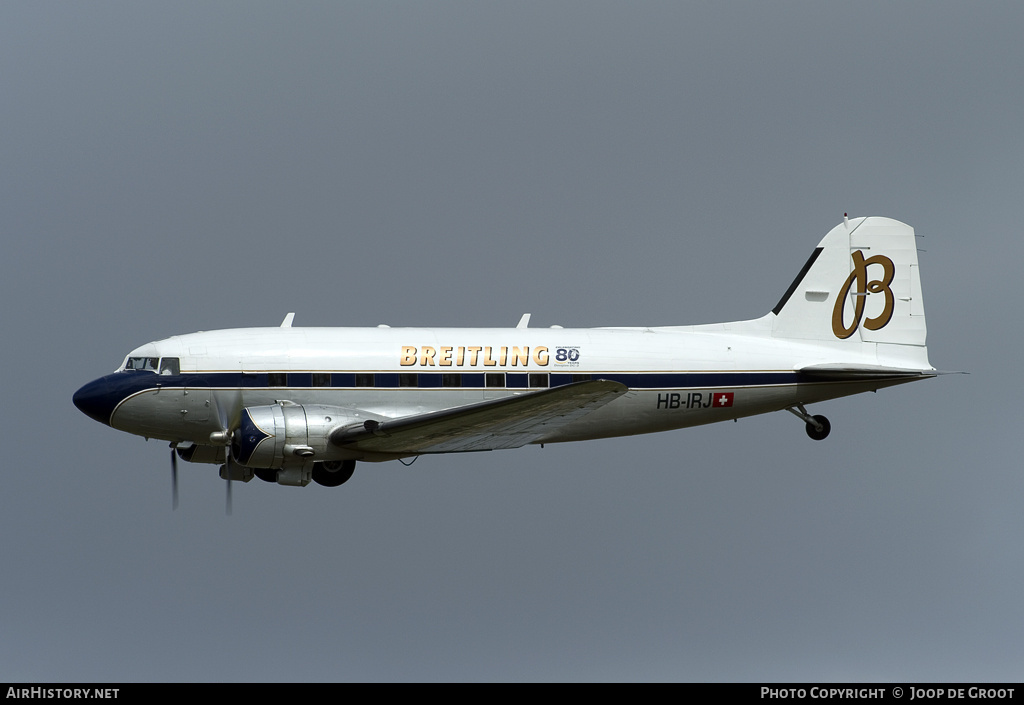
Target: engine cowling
285 435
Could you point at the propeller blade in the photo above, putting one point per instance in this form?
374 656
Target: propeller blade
174 479
227 472
228 405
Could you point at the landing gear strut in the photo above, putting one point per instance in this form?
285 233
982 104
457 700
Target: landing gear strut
817 426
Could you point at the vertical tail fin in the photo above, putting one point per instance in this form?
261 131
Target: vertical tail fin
861 288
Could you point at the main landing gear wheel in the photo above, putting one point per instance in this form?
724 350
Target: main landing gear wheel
333 473
818 427
265 474
819 432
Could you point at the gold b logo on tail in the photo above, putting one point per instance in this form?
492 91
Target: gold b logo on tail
864 287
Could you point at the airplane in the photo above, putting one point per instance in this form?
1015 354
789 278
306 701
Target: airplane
297 405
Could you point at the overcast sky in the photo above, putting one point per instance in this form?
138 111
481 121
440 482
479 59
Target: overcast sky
172 167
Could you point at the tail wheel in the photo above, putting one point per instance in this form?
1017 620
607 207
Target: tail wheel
333 473
819 432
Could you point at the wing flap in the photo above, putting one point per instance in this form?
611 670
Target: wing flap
510 422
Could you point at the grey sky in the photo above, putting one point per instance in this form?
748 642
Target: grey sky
176 167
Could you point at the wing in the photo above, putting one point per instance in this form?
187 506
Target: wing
502 423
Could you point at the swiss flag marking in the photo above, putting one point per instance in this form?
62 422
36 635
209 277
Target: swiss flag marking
722 399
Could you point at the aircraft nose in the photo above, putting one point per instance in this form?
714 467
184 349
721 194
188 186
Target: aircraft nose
95 400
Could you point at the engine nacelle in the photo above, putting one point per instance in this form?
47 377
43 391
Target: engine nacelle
284 435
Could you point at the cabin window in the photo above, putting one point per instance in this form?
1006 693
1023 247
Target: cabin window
581 378
321 379
408 379
494 379
538 380
151 364
451 379
364 379
277 379
169 366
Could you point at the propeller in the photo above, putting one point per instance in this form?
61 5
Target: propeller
227 501
174 477
228 405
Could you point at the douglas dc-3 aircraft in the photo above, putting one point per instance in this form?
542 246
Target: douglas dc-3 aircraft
291 405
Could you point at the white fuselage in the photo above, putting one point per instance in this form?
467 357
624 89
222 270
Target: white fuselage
677 376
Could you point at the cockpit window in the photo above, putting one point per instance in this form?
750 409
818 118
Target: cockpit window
169 366
142 363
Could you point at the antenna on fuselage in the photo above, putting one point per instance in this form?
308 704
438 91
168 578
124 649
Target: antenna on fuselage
287 322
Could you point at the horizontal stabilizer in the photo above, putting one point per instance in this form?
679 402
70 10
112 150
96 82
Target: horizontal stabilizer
510 422
849 373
